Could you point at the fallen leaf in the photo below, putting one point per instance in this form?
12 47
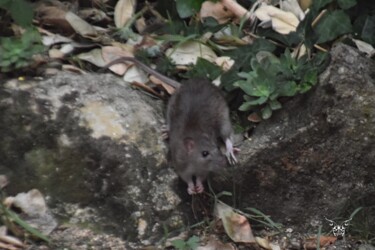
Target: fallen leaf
133 74
80 26
54 17
124 10
305 4
55 39
254 117
170 90
215 244
95 15
93 56
274 246
140 24
364 47
110 53
9 239
236 226
188 53
282 22
225 62
216 10
294 7
323 241
264 243
72 68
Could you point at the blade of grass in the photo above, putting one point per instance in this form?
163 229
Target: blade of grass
13 216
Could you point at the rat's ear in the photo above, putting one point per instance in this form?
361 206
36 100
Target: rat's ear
189 144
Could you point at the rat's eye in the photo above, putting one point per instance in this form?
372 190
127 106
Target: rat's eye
205 153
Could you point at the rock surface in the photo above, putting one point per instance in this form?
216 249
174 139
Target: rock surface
316 157
90 140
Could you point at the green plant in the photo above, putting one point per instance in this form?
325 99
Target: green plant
273 77
190 244
20 10
17 52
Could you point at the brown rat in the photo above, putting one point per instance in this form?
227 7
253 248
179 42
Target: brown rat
198 124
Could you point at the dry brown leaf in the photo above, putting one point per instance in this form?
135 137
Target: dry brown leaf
254 117
216 10
323 241
82 27
294 7
282 22
236 226
215 244
305 4
54 17
225 62
93 56
110 53
236 8
263 242
11 240
170 90
124 11
134 74
364 47
72 68
8 247
188 53
55 53
52 39
140 24
95 15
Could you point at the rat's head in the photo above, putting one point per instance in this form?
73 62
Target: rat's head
205 153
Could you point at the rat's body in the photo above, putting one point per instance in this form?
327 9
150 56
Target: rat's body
198 124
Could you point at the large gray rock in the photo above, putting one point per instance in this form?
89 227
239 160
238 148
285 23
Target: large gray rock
316 157
91 140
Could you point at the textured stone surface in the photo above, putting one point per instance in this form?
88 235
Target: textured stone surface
89 140
316 157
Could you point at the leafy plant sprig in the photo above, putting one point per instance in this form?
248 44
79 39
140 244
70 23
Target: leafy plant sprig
273 77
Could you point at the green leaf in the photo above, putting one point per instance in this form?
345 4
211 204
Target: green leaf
306 31
179 244
204 69
5 3
288 88
318 4
22 12
346 4
266 112
333 25
187 8
311 77
368 31
303 87
193 242
274 104
246 106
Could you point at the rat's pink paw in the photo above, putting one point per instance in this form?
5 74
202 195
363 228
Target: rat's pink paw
191 189
199 188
